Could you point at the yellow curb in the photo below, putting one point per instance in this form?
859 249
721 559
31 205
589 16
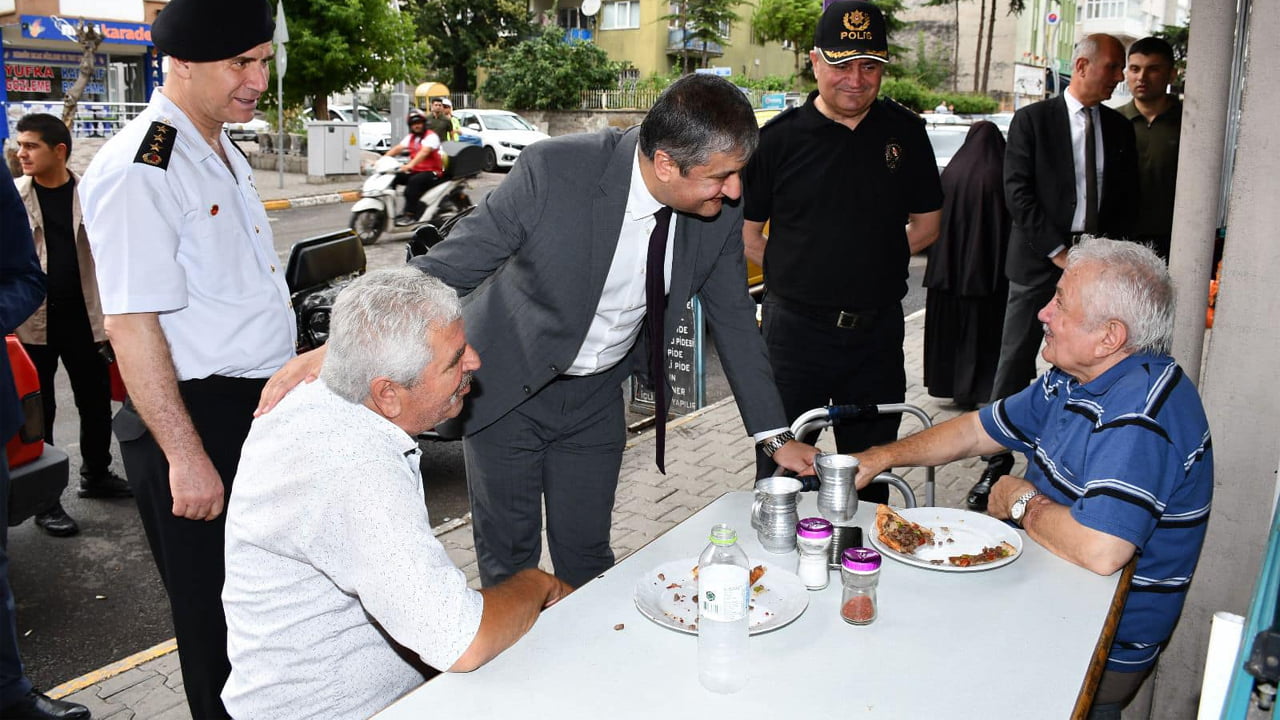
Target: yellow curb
115 668
346 196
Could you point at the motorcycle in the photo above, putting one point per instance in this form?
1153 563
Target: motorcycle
381 199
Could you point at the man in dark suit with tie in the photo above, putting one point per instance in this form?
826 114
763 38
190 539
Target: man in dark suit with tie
1070 169
563 268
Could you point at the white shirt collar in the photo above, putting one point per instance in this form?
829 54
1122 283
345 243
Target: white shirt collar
640 202
1073 105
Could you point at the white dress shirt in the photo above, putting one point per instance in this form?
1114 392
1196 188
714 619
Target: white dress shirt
1075 113
329 557
620 312
190 242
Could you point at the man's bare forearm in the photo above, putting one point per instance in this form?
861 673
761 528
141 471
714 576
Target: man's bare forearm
959 437
146 366
753 241
510 610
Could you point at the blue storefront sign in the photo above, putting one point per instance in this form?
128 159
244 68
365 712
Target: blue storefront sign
52 27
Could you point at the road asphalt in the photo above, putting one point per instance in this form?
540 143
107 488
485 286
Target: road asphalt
708 453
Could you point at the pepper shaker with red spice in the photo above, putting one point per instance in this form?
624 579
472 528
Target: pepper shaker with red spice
859 572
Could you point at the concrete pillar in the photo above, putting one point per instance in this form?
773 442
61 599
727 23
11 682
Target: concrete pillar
1239 385
1195 214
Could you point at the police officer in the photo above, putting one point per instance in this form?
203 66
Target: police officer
196 305
850 188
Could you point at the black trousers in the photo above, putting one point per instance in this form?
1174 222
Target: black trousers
70 338
1020 339
816 363
415 186
188 553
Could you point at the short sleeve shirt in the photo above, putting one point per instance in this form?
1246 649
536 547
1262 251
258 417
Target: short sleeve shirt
175 232
1130 454
414 143
837 202
330 558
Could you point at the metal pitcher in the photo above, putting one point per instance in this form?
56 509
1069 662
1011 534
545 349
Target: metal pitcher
773 513
837 497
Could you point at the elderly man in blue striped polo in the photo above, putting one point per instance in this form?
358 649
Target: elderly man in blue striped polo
1119 460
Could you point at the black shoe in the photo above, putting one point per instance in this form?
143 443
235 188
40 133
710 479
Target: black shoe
36 704
106 485
57 523
997 467
403 220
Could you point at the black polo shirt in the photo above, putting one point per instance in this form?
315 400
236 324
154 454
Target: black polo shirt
837 202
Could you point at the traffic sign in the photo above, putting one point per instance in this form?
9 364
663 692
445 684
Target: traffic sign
1051 18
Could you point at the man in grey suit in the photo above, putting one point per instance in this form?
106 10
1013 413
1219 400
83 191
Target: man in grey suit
553 267
1053 146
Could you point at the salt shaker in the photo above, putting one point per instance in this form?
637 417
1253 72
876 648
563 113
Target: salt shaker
860 572
813 537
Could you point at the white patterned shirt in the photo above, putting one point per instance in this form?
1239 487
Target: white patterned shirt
329 552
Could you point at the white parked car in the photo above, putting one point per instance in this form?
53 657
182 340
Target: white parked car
946 141
375 130
502 133
247 130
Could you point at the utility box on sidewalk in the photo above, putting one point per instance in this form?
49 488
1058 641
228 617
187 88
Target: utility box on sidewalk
332 149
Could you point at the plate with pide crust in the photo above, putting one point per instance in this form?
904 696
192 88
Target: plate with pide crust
668 595
946 539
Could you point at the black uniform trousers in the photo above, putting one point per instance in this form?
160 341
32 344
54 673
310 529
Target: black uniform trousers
189 553
564 444
817 363
70 338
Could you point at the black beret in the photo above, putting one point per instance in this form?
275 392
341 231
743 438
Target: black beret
209 30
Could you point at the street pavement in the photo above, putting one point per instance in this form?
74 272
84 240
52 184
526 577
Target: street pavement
708 453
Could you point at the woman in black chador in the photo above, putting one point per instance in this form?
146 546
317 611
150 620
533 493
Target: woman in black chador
967 288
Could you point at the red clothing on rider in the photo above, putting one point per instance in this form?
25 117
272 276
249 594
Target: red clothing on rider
432 161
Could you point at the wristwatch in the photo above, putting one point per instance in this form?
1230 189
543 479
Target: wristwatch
771 445
1018 509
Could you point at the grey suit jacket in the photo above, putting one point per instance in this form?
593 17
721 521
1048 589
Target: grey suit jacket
532 260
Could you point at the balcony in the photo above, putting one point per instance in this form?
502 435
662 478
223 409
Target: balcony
680 40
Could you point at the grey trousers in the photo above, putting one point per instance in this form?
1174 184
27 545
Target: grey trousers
563 445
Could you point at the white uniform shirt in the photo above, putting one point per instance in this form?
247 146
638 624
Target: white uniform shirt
191 242
620 312
328 534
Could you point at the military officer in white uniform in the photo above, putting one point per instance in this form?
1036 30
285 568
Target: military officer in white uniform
196 305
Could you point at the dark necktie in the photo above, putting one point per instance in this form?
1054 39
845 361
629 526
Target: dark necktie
1090 175
655 310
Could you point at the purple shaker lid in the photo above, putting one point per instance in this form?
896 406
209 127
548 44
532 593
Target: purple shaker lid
860 559
814 527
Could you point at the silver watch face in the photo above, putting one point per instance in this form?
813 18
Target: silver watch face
1019 507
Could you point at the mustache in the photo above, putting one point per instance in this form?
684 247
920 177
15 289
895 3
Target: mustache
463 385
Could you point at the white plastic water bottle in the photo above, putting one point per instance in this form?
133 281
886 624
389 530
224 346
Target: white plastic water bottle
723 630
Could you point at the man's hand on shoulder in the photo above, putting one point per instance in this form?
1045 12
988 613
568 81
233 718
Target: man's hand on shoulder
304 368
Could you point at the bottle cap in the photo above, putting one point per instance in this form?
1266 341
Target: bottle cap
722 534
861 559
814 528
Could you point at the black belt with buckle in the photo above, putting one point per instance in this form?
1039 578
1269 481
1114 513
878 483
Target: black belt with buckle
844 319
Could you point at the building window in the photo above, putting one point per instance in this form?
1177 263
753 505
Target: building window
620 15
1096 9
570 18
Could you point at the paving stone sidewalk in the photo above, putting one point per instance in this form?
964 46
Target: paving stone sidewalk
708 454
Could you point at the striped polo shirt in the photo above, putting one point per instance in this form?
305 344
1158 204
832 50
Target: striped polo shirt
1130 454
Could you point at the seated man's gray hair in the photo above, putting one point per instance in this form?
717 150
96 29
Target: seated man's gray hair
379 328
1133 286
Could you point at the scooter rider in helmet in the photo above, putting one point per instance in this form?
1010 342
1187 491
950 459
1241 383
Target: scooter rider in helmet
424 168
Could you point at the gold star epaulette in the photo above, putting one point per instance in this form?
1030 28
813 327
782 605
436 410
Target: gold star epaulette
157 146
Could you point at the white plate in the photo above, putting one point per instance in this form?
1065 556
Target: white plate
955 532
665 595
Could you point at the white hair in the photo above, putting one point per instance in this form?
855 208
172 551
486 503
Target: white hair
1130 284
380 328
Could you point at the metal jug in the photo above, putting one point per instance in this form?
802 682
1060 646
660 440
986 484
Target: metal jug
773 513
837 498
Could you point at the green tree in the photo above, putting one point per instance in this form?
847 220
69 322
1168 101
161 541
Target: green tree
462 30
547 72
785 21
703 21
336 45
1177 36
930 69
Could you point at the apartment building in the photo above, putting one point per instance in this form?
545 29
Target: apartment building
642 33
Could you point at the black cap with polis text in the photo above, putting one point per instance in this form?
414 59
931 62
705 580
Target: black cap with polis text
851 30
209 30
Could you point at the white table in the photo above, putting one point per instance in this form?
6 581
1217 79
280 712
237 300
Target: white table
1012 642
